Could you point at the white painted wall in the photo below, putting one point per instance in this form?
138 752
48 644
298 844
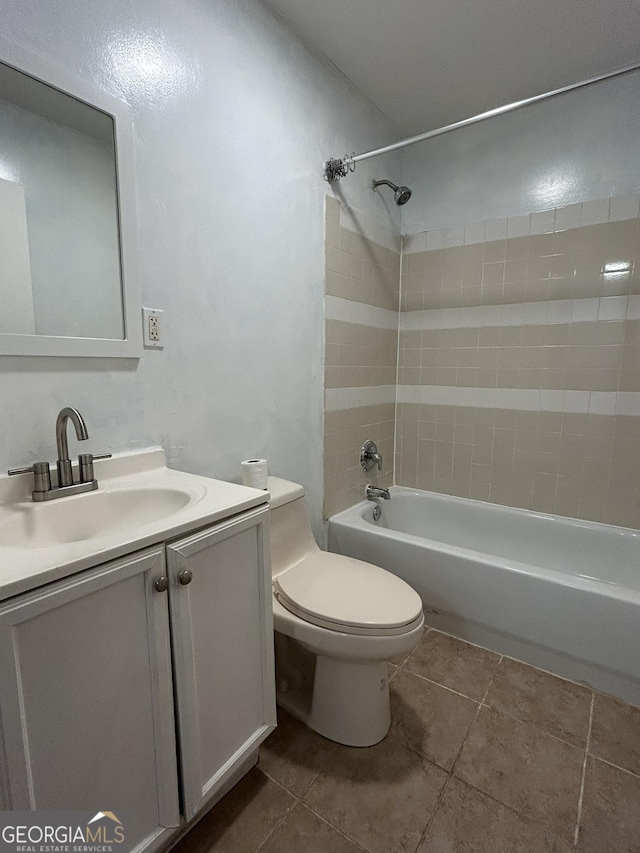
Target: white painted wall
233 120
578 146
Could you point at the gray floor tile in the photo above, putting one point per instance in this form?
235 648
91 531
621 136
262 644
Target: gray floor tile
532 772
551 704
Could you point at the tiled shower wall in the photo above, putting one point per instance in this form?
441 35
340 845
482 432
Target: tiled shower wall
519 361
361 343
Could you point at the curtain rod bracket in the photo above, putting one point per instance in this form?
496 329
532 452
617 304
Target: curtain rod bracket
335 169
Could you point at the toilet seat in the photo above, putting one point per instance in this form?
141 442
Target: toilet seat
348 595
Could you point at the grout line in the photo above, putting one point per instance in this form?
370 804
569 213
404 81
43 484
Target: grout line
483 701
284 788
584 773
300 802
529 724
443 686
285 815
455 761
395 409
337 828
468 642
447 782
583 684
615 766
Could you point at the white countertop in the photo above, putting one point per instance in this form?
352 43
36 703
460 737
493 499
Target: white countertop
27 567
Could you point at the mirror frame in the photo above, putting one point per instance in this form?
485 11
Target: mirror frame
36 66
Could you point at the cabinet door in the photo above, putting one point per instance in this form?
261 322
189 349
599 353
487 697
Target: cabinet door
86 707
222 634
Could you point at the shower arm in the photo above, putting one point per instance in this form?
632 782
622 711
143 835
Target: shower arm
336 168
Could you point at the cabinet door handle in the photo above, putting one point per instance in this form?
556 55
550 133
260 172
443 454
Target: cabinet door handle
162 584
185 577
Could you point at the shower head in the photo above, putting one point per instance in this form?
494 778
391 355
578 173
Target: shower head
401 195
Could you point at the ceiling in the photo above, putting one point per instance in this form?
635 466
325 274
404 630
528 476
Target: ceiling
428 63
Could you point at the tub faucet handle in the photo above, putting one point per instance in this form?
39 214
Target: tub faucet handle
369 456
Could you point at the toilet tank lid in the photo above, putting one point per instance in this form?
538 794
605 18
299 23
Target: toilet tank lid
283 491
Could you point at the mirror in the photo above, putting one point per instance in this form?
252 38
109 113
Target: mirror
67 223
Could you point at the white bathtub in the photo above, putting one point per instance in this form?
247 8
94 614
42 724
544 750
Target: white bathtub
561 594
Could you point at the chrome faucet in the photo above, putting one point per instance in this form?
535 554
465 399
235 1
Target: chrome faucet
65 473
369 456
43 490
373 492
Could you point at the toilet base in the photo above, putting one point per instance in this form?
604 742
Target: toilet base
345 701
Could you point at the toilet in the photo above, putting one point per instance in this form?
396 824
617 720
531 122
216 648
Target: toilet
337 621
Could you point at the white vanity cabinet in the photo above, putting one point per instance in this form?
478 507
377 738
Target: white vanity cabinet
222 634
86 697
96 713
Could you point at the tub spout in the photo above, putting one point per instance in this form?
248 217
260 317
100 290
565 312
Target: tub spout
373 492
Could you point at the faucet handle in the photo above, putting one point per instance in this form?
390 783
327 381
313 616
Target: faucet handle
13 471
41 473
85 461
369 456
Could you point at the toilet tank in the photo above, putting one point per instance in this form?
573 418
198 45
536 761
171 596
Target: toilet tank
291 536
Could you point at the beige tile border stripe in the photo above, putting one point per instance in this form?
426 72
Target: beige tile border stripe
548 313
552 312
338 399
578 402
348 311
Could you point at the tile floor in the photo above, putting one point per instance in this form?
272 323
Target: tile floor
485 754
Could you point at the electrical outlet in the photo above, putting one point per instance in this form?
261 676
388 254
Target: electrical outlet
152 322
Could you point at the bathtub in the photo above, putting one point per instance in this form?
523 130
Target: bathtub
561 594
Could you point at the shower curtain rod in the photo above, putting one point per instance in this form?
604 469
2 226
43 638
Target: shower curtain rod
334 168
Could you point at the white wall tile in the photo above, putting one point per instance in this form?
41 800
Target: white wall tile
602 402
412 243
454 236
585 310
542 222
576 401
612 308
435 239
348 311
559 311
628 403
595 212
511 315
525 398
496 229
633 307
568 217
518 226
535 313
331 399
623 207
474 232
362 223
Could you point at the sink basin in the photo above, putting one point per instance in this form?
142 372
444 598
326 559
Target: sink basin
139 503
88 516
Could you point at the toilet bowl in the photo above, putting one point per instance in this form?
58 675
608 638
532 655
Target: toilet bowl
337 621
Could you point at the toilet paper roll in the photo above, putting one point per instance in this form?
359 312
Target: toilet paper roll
254 473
